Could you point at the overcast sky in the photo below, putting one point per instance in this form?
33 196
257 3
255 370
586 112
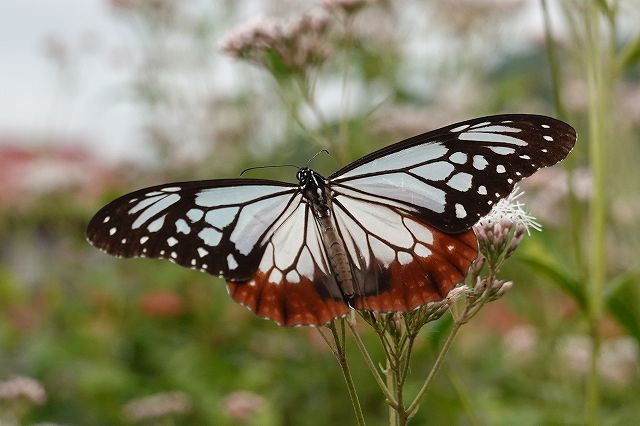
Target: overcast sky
86 106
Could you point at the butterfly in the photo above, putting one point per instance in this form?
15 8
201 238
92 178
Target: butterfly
389 232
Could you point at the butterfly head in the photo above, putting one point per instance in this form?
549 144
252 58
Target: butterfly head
304 175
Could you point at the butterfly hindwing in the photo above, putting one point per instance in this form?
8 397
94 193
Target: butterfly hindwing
293 284
452 176
398 261
216 226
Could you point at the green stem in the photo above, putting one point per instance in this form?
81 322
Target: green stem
391 385
575 208
372 368
344 366
597 265
460 389
436 367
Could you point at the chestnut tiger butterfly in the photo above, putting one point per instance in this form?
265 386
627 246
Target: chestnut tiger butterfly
389 232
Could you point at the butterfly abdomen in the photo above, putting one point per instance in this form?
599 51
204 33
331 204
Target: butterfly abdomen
337 254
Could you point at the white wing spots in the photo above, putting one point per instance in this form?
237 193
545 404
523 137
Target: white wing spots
156 224
195 215
404 258
314 245
484 123
210 236
161 252
182 226
174 254
383 252
276 276
144 239
382 221
123 241
220 196
461 181
518 174
479 162
193 262
400 159
231 262
146 202
305 264
435 171
171 189
459 128
202 252
548 138
525 157
162 204
345 190
112 230
497 195
266 263
502 150
491 137
509 180
544 150
254 219
153 193
497 129
221 217
403 187
420 232
288 239
482 190
460 211
172 241
357 241
106 219
204 266
489 202
544 126
422 251
500 168
451 247
293 277
458 157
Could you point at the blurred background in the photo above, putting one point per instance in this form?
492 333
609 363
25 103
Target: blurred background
101 97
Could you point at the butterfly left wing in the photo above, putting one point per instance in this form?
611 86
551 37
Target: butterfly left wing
217 226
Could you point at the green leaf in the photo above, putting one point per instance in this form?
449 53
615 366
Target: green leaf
561 278
630 54
622 297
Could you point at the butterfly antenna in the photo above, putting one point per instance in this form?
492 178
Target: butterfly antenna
267 167
316 154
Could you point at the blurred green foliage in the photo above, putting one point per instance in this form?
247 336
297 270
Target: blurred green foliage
97 332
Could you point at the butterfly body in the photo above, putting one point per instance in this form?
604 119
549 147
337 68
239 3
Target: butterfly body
315 190
389 232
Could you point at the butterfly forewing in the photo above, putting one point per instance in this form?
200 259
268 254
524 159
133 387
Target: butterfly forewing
452 176
218 226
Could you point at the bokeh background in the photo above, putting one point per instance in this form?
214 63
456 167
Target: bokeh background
101 97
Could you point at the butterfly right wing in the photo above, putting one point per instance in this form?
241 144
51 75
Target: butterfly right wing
217 226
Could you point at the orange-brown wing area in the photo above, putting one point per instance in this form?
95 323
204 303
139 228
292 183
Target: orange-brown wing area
293 284
428 277
287 303
399 262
